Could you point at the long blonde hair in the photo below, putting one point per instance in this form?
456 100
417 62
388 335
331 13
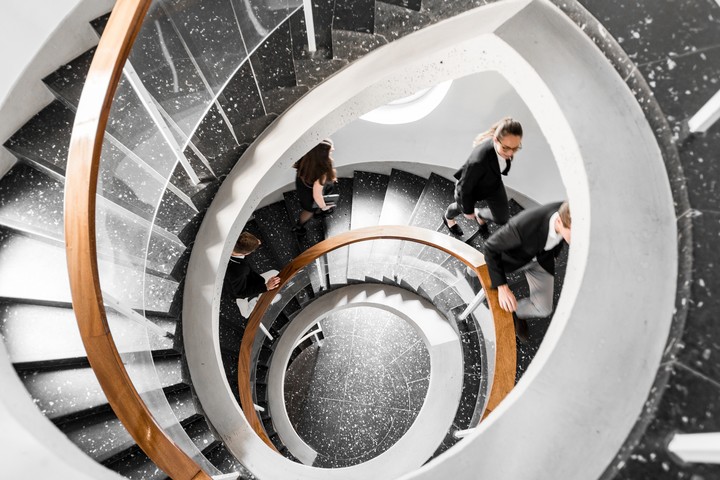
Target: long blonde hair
506 126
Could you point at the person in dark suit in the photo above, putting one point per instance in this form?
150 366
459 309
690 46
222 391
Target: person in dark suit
241 281
480 178
529 243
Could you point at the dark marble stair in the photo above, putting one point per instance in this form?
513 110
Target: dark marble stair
335 224
351 46
402 195
394 20
368 196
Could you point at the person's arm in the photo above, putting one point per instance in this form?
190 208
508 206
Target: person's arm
254 285
318 195
506 238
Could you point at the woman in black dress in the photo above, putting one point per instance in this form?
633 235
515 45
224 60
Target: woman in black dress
481 177
315 176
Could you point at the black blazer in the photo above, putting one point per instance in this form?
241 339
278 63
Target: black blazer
480 177
241 281
517 242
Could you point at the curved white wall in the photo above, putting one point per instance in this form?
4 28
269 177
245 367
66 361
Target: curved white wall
612 321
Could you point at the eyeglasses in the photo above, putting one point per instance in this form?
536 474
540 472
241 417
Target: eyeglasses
509 149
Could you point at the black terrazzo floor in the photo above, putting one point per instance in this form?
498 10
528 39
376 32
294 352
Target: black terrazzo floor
355 396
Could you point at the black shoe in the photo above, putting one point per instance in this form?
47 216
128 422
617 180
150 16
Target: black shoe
482 227
299 230
455 229
522 330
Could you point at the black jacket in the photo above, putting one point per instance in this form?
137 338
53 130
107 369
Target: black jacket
241 281
480 177
517 242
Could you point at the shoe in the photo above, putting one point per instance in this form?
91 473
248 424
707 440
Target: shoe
482 228
455 229
299 230
522 330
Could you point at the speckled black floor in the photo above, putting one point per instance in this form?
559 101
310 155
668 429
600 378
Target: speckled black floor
355 396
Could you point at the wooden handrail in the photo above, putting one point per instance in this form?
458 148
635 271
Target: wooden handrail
80 190
506 356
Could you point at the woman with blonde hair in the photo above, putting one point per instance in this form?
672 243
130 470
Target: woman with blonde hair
315 176
480 178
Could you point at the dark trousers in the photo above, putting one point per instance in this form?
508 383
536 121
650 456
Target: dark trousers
498 209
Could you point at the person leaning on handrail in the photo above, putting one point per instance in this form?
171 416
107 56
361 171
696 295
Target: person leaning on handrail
480 178
315 178
529 243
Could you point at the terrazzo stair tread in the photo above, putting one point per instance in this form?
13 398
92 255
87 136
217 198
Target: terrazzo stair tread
31 332
39 210
396 21
249 130
224 461
196 191
137 466
232 327
215 138
278 100
354 15
405 4
66 394
166 70
45 138
21 253
472 354
104 438
335 224
447 300
313 71
402 195
66 83
173 215
217 50
275 226
272 61
442 9
367 200
44 143
98 24
241 99
199 432
351 46
434 200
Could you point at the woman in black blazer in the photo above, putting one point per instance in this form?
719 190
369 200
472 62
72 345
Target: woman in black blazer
481 177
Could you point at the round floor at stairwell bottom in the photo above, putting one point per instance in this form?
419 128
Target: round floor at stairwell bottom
352 398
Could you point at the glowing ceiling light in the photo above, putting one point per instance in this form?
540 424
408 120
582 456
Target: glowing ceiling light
411 108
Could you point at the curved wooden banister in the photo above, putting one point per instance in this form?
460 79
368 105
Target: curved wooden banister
505 363
80 190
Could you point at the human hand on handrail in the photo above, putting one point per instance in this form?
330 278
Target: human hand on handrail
273 283
506 298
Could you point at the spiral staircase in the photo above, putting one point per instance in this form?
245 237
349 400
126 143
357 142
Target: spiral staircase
180 128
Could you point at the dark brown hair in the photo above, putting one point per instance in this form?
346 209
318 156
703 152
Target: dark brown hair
246 243
506 126
316 164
